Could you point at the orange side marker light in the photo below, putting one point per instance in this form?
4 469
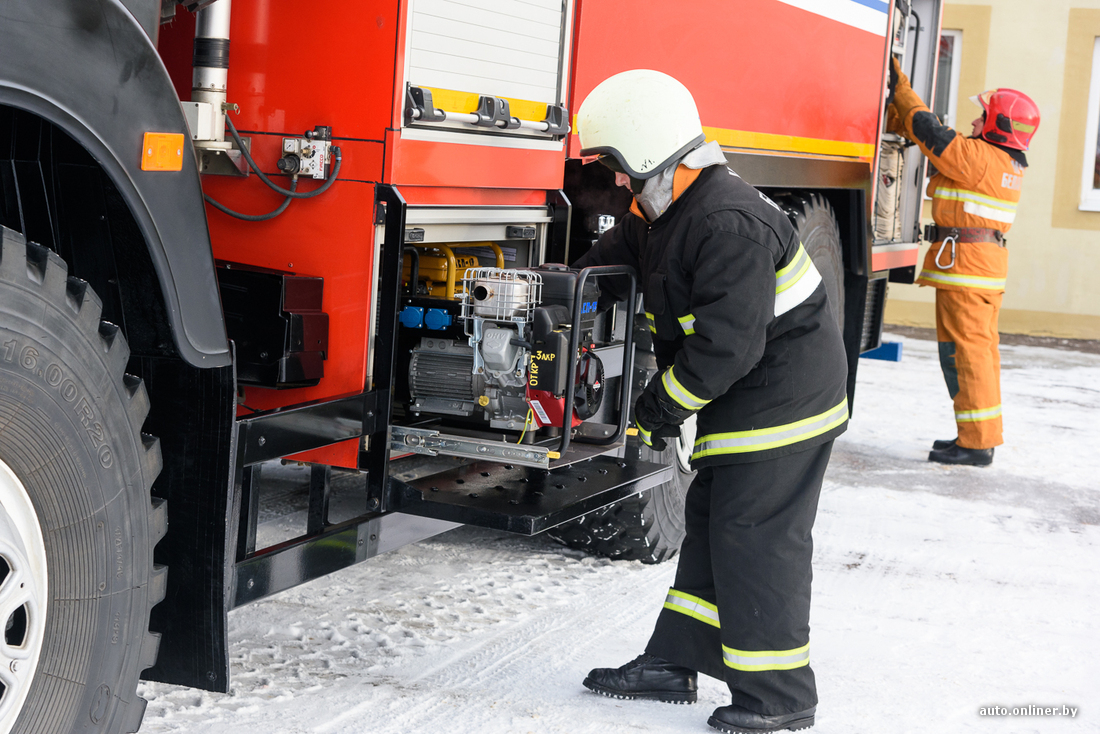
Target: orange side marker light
162 152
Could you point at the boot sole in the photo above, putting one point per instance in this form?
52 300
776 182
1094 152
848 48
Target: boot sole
662 696
795 725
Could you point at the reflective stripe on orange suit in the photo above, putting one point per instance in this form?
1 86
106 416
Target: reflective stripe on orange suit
966 328
977 185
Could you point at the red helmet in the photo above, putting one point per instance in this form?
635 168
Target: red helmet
1011 117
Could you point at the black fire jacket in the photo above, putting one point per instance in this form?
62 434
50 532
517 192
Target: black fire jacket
742 329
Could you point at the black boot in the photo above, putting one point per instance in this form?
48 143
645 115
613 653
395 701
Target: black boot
944 444
646 676
733 718
958 455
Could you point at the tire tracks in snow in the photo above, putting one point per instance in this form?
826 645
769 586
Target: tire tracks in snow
483 669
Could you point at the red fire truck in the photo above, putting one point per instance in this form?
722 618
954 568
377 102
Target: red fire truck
252 240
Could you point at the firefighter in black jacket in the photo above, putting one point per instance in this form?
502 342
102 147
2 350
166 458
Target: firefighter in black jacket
745 340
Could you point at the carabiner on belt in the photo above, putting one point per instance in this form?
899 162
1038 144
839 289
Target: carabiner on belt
939 254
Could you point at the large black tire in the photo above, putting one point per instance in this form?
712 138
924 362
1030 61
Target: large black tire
648 527
71 445
817 227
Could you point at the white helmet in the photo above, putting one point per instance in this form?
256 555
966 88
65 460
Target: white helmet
642 118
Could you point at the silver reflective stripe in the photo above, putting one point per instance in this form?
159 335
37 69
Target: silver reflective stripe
980 205
692 606
752 660
796 282
688 323
652 322
645 435
793 270
762 439
968 281
679 393
988 212
973 416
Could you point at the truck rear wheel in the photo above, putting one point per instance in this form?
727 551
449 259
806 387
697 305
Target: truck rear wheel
648 527
77 525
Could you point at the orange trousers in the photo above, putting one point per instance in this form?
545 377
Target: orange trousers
966 329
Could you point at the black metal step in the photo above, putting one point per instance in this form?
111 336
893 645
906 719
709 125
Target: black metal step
524 500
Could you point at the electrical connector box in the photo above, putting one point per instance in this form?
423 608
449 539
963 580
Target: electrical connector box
313 156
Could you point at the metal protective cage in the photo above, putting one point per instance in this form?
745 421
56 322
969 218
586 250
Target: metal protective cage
497 294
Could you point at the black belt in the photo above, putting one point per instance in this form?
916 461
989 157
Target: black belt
936 233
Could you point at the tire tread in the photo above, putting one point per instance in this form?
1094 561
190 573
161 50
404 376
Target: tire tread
30 267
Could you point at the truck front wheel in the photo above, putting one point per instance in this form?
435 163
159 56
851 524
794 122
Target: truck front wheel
77 525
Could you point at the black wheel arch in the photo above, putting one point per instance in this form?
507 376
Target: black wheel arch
88 67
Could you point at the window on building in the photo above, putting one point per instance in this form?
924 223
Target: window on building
945 104
1090 172
947 78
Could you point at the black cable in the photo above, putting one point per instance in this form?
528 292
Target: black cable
254 217
274 186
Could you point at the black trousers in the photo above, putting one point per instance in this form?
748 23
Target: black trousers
740 608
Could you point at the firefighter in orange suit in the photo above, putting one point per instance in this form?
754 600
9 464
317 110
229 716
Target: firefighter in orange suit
974 196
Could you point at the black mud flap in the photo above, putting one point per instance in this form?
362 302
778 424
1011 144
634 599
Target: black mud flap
523 500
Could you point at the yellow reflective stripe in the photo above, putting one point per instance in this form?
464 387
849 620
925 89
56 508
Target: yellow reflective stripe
762 439
973 416
692 606
756 660
679 393
646 436
942 192
970 281
687 323
789 275
652 323
795 289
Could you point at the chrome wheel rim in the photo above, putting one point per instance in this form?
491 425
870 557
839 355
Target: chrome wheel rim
685 444
23 595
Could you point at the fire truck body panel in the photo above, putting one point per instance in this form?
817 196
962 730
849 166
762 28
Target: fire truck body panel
812 89
353 72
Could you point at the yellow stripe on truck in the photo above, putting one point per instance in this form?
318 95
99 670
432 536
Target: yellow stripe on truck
788 143
770 142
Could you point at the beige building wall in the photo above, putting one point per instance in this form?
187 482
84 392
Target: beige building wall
1045 50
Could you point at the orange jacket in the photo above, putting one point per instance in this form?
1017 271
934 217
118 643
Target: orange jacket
978 185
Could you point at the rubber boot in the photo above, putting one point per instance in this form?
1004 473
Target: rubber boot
958 455
734 718
646 676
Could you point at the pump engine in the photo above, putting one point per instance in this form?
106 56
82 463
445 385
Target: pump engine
500 354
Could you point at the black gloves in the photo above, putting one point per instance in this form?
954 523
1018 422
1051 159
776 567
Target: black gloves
657 416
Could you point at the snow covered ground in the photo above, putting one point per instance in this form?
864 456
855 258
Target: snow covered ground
938 591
